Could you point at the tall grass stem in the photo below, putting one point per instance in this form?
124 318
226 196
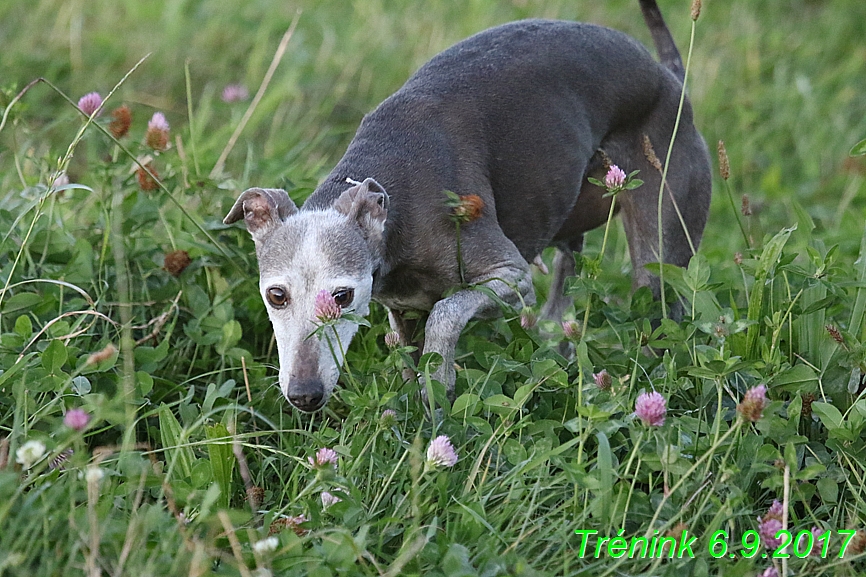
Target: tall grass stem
667 166
278 56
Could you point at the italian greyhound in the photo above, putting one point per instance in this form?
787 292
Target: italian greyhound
520 116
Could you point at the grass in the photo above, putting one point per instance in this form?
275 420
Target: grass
191 457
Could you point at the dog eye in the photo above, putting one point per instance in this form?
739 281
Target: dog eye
344 297
277 297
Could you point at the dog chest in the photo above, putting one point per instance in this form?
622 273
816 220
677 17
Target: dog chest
406 289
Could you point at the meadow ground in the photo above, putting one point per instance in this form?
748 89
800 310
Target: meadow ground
141 432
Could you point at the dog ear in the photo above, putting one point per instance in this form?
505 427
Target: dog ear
261 209
367 204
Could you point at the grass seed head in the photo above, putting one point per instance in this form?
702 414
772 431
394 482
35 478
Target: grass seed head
650 153
835 334
724 162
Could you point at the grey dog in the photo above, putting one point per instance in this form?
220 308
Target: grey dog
519 115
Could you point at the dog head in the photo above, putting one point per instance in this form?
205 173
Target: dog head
302 253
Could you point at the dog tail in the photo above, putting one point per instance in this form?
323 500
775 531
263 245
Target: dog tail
664 42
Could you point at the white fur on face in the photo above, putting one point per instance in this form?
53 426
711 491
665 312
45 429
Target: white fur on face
311 252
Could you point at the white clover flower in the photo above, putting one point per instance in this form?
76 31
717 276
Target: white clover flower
93 474
29 453
266 545
328 499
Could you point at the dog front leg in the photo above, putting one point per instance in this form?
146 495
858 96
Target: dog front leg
450 315
406 328
407 331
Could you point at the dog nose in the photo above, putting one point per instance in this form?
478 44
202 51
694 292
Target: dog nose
307 395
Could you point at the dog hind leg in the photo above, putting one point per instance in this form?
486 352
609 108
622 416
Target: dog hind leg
563 267
685 203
